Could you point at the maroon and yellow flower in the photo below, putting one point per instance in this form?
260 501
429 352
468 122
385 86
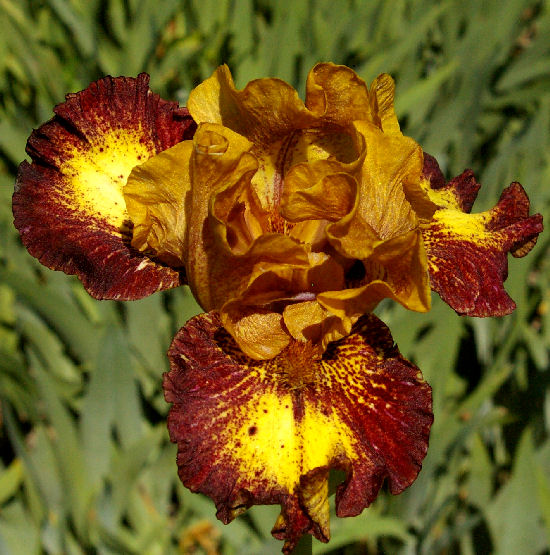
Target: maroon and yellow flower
290 221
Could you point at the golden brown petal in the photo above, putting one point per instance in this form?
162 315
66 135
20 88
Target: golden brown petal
260 333
156 194
219 161
265 110
272 286
382 92
338 94
318 191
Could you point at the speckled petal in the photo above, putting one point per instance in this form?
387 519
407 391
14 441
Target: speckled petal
68 204
268 432
467 253
458 194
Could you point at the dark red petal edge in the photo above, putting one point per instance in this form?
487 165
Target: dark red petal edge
464 187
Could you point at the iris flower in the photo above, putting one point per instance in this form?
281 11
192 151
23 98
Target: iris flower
290 221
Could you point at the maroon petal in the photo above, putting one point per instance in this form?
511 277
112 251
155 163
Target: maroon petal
467 253
68 204
268 432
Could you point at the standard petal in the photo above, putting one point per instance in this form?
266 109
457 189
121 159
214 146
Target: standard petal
268 432
467 253
68 204
320 190
264 111
338 94
382 209
382 93
391 164
220 162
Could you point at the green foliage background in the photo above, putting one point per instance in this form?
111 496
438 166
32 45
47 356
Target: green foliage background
86 465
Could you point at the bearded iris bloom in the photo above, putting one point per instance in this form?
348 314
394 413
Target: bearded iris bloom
290 221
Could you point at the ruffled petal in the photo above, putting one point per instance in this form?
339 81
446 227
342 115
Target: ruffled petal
68 204
273 286
258 331
310 321
458 194
396 270
264 111
269 432
382 210
467 253
338 95
219 162
382 93
320 190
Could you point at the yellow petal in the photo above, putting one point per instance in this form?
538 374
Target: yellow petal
390 164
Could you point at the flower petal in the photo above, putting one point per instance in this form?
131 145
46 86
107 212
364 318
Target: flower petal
258 331
338 94
264 111
467 253
310 321
219 161
396 270
382 210
268 432
382 93
68 204
319 190
274 284
155 194
458 194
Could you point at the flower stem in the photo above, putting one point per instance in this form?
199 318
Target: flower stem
304 547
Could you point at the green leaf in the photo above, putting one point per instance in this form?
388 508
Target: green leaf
513 516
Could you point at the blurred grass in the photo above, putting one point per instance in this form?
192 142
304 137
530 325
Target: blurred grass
86 466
